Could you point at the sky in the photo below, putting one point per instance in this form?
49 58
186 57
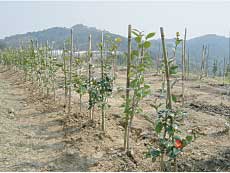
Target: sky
199 17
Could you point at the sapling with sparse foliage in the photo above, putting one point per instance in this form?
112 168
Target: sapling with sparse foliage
105 84
101 88
136 88
113 45
80 81
169 143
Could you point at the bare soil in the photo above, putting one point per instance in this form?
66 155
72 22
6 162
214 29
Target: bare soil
37 135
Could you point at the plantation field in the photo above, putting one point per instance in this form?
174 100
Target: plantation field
37 135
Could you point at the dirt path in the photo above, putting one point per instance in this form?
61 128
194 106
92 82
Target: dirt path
31 138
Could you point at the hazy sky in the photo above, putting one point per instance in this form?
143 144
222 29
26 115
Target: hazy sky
206 17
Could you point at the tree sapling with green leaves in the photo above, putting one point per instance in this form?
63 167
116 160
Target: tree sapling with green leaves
136 89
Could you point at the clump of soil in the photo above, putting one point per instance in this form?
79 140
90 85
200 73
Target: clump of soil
220 109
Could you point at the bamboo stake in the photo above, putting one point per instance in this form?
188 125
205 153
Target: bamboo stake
169 98
65 77
126 135
202 62
224 71
89 73
183 65
188 65
70 69
102 77
46 66
206 61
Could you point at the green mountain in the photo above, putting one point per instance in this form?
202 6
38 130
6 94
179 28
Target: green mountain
218 45
218 49
58 35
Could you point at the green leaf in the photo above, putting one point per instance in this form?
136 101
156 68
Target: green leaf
138 39
173 69
174 98
189 138
146 86
178 41
159 127
174 153
135 33
170 130
155 153
184 142
177 137
150 35
135 52
147 44
118 40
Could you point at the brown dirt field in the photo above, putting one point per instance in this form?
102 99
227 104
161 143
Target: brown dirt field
36 134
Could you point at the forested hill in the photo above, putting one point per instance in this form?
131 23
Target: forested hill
218 45
58 35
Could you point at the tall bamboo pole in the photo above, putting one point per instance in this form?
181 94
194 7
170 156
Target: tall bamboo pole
46 68
224 71
70 69
183 64
102 77
65 76
206 61
202 62
188 64
169 98
90 73
227 75
126 135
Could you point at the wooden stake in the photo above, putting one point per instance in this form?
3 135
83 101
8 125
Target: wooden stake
70 69
126 135
224 71
206 61
188 65
183 65
169 98
202 62
65 77
102 77
89 73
